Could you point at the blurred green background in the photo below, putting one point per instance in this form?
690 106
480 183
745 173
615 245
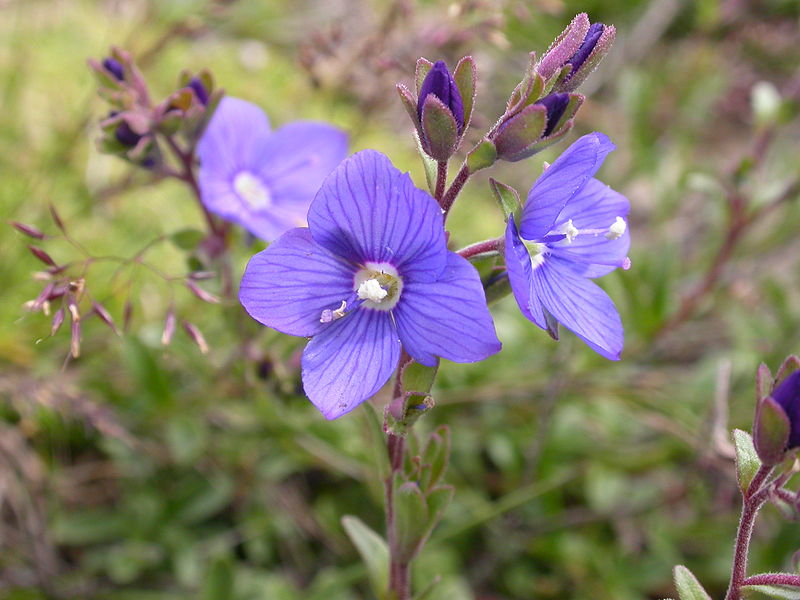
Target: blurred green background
144 472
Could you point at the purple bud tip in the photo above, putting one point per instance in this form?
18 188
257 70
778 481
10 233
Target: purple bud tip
199 90
555 104
787 395
441 84
114 67
589 42
126 136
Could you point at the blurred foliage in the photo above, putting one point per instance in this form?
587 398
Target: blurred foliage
145 472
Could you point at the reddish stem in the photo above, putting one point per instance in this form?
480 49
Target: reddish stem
455 188
441 180
754 497
773 579
493 245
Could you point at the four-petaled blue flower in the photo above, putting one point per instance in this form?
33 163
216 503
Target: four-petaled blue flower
371 272
572 229
264 180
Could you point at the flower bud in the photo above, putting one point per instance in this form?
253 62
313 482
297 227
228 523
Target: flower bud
787 396
114 67
770 431
575 54
442 108
536 126
440 83
199 90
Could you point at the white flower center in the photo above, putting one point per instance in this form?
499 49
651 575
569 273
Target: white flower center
371 290
251 190
536 251
379 285
617 228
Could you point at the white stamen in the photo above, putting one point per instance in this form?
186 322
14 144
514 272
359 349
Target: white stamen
251 190
617 228
329 315
371 290
569 230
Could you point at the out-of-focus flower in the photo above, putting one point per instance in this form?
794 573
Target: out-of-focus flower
575 54
260 179
572 229
372 272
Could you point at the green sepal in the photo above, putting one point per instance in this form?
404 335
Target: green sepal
507 198
785 592
439 129
747 461
550 140
417 377
466 77
423 68
482 156
764 382
575 102
409 103
557 79
528 91
428 164
687 585
373 550
417 382
517 135
770 431
788 366
497 288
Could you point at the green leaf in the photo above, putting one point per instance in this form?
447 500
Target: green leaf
373 550
481 156
747 462
219 581
687 585
785 592
411 518
427 591
437 455
187 239
507 197
439 128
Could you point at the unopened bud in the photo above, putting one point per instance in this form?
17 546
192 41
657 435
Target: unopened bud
440 83
114 67
770 431
787 396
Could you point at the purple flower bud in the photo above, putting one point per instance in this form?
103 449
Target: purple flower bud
126 136
114 67
199 90
787 395
589 42
441 84
555 104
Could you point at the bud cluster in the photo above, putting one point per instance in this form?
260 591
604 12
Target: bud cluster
135 128
539 112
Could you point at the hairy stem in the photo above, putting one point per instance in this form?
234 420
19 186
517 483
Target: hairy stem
399 569
441 180
455 188
493 245
753 499
773 579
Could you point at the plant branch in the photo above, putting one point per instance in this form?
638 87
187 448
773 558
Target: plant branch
455 188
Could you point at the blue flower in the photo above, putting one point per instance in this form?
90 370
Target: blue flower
572 229
260 179
371 272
